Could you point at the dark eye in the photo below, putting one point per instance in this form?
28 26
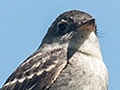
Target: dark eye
62 27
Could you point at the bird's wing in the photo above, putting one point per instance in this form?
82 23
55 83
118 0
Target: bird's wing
38 72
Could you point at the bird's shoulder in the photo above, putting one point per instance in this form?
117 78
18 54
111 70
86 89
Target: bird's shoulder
38 71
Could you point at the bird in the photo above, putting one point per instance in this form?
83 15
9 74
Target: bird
69 58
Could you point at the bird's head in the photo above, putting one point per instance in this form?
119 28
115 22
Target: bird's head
71 29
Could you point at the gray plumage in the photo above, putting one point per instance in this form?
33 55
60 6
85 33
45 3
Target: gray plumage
69 58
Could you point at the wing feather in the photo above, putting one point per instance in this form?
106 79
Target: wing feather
38 72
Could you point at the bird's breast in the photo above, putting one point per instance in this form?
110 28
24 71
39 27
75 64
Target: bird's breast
83 72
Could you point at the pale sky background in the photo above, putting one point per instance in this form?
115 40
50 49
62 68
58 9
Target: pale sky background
24 23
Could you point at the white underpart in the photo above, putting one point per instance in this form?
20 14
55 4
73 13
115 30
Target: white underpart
89 44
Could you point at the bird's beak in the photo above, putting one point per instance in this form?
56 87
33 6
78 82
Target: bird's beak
89 25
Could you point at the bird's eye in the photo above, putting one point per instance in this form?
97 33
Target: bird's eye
62 27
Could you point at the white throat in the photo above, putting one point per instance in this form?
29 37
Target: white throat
91 46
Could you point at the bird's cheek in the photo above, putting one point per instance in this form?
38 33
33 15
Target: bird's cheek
82 34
